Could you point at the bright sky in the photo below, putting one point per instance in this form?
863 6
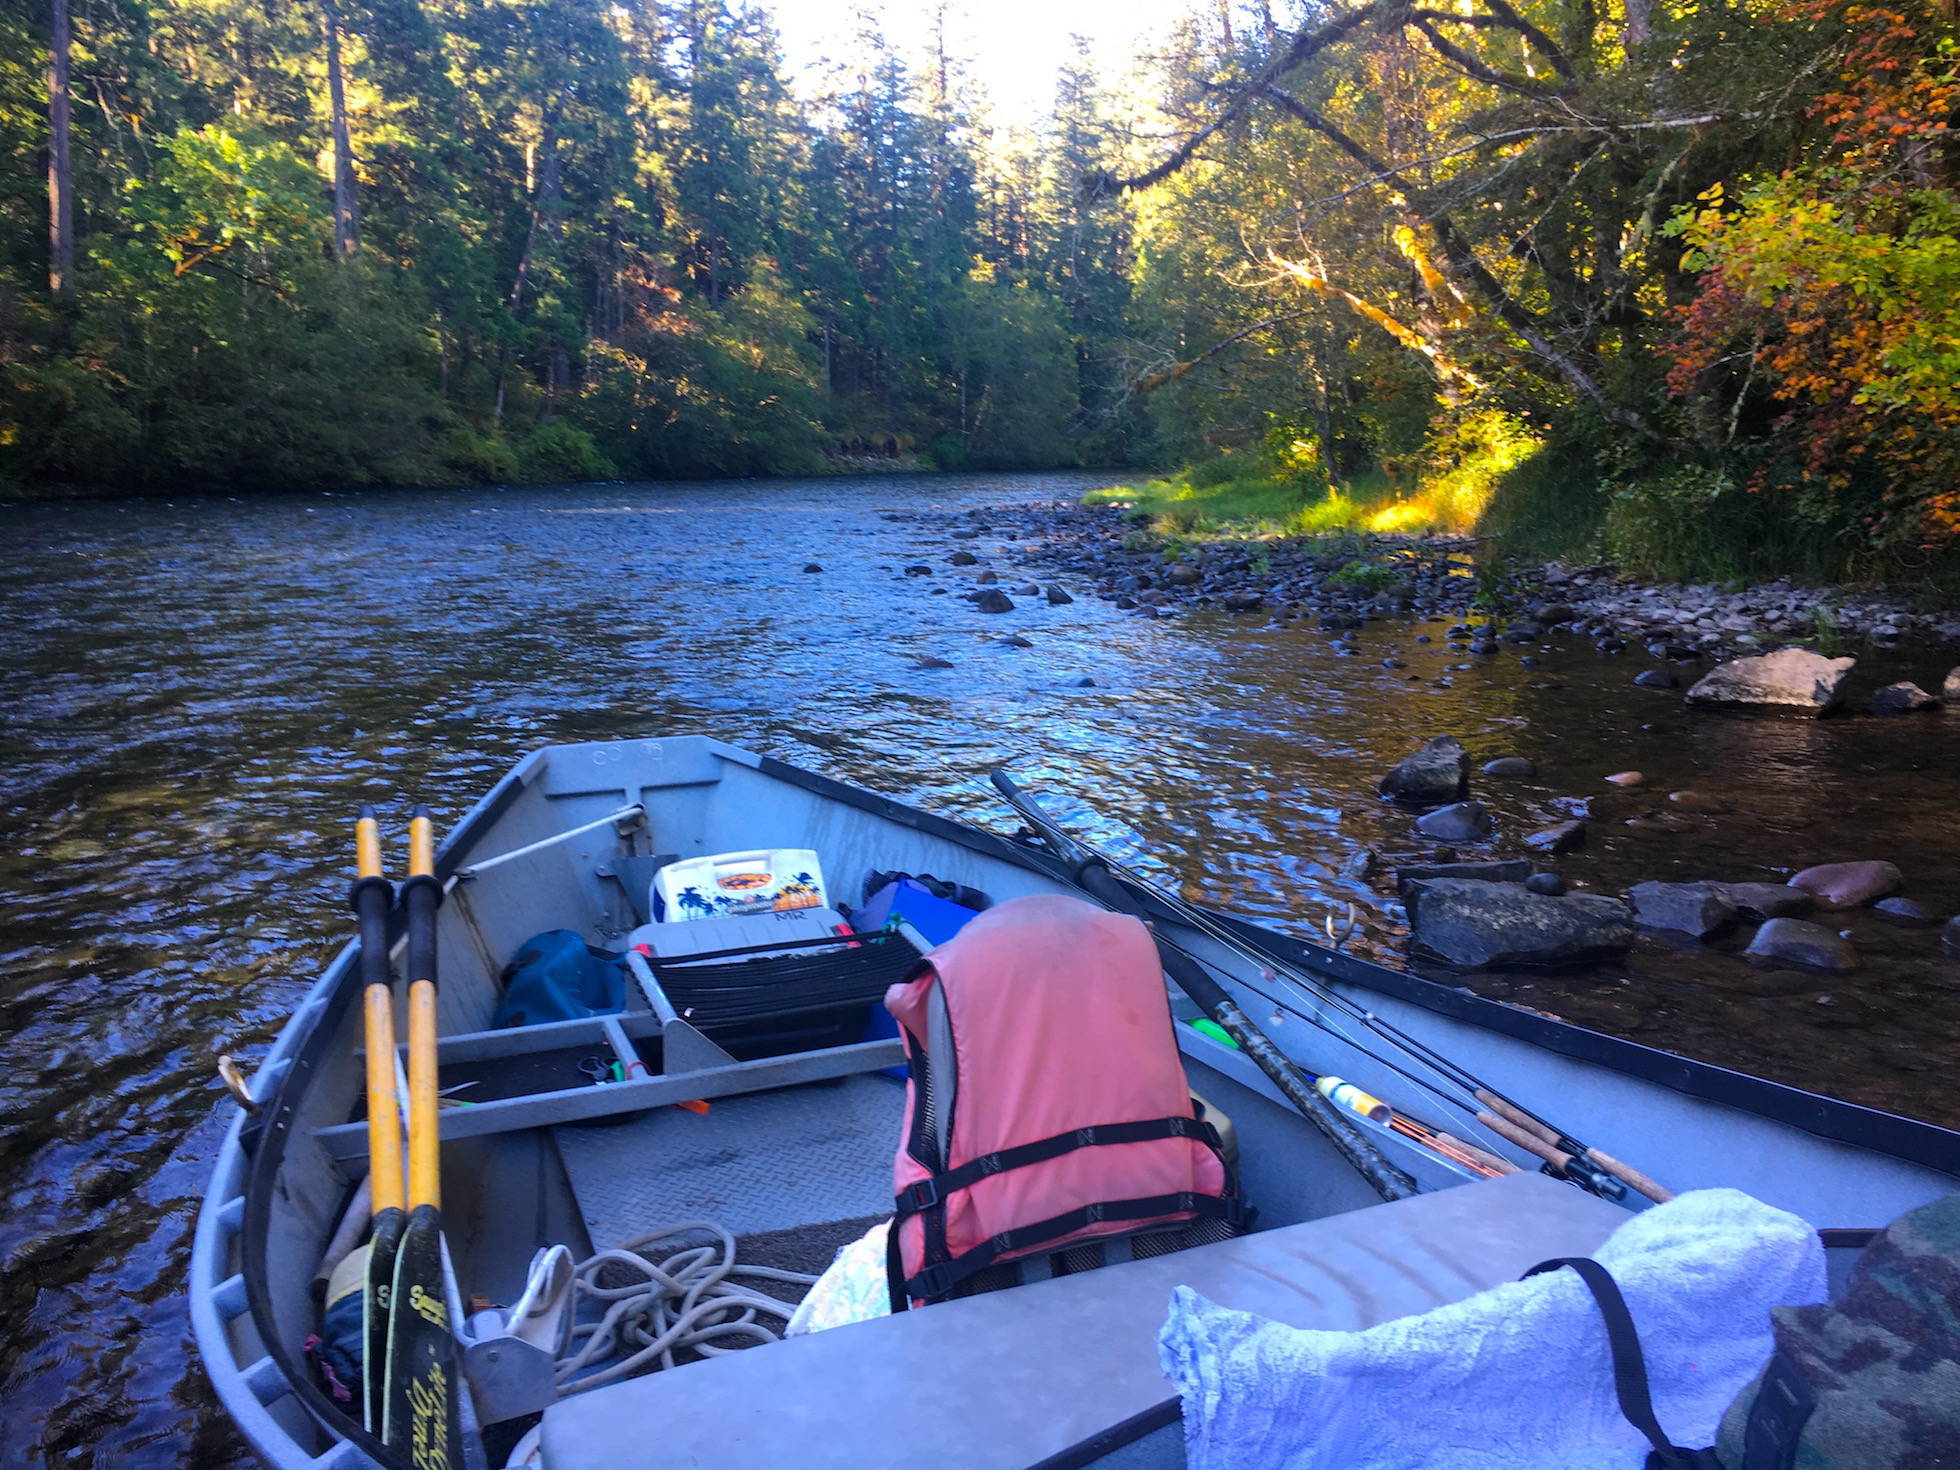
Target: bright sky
1013 47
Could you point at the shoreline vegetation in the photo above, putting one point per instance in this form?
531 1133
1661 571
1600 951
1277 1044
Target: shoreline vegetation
1673 288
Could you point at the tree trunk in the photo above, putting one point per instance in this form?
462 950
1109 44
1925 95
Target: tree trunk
61 177
1640 24
346 197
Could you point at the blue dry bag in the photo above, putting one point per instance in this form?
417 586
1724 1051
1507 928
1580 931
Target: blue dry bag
557 976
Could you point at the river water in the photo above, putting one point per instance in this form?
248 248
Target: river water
195 695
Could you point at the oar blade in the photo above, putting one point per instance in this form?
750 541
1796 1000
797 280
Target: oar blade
422 1419
383 1246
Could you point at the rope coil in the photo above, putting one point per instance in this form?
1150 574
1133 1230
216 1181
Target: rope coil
685 1300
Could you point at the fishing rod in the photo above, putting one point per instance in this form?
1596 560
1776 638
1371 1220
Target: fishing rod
1093 876
1590 1168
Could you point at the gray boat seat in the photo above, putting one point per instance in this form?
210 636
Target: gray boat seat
1010 1378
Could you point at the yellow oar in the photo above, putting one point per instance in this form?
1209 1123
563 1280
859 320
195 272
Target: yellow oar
420 1408
371 897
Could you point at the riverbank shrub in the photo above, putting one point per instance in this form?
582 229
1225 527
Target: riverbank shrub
559 452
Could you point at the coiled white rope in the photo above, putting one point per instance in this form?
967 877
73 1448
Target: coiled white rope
685 1299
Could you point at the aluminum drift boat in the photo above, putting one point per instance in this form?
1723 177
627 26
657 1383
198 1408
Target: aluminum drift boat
794 1157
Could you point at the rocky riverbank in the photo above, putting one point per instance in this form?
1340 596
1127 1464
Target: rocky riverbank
1339 582
1455 887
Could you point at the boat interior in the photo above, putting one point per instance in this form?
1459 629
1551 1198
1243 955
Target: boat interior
579 1133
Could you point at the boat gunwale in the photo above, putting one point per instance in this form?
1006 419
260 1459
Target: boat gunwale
1908 1140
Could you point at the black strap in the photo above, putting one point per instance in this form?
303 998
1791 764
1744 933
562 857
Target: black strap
938 1279
928 1193
1629 1364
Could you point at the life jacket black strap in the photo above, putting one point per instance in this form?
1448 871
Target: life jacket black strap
929 1193
936 1280
1629 1366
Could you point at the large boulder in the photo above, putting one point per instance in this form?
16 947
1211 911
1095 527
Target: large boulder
1847 885
1699 909
1791 680
1769 900
1440 771
1476 925
1799 942
1463 821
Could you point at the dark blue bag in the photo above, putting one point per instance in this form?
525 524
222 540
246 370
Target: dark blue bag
557 976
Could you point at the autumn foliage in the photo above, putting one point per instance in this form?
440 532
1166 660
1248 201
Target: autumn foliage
1828 298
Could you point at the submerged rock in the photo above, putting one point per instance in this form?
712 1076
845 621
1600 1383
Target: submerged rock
1793 680
1799 942
1463 821
1015 640
1951 688
962 559
1700 909
1905 911
812 567
1058 596
1903 698
1768 900
1509 870
1626 778
1510 765
1440 771
1698 801
1501 925
1656 679
1564 837
1847 885
993 600
1950 937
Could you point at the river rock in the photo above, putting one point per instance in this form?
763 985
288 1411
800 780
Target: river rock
1509 870
1183 574
1903 698
930 661
1549 884
1792 680
1463 821
1626 778
1510 765
919 569
1769 900
1950 937
1361 865
1699 802
1058 596
1440 771
962 559
1951 688
1905 911
1241 599
1564 837
1656 679
1847 885
993 600
812 567
1799 942
1502 925
1015 640
1700 909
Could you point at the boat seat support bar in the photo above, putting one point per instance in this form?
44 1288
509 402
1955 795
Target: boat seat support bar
346 1141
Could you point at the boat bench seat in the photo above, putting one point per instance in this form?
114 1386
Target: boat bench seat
1011 1378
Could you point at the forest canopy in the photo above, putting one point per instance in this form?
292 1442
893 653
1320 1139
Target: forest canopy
1674 283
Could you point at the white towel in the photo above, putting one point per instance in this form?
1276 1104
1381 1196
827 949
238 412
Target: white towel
1515 1378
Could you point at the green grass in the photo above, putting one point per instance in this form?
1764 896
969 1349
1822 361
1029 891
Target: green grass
1195 503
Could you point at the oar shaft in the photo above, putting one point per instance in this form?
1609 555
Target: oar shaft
371 898
421 895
